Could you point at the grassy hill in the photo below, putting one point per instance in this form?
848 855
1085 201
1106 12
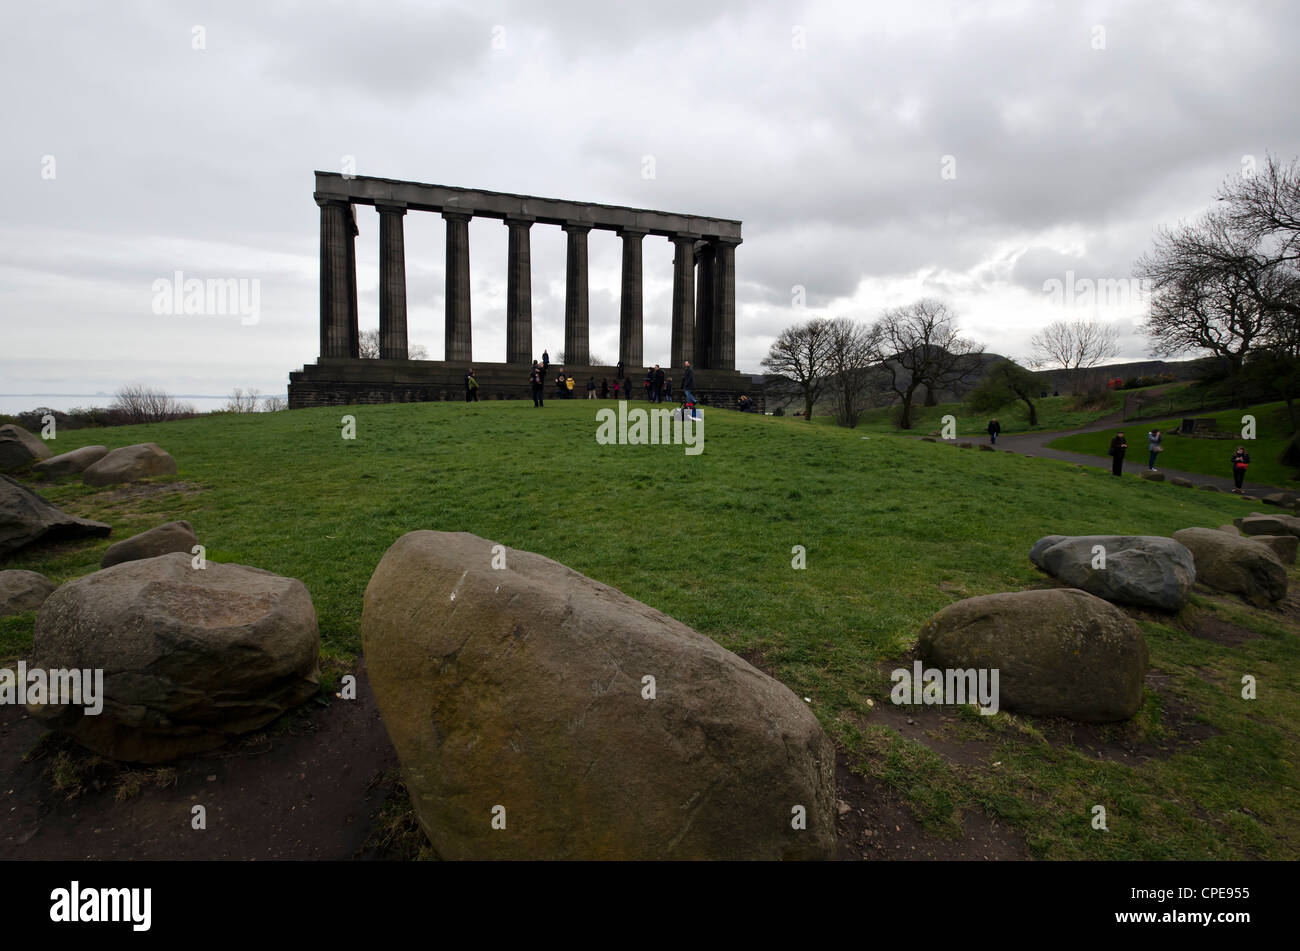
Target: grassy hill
1206 456
1054 412
894 529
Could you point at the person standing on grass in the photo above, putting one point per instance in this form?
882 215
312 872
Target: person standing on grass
1118 447
591 387
668 389
616 388
568 386
994 428
1240 460
471 386
604 388
537 379
657 385
688 383
1153 448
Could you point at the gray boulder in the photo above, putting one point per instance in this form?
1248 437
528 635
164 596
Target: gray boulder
26 518
1148 571
1268 525
1152 476
526 687
22 591
1060 652
130 464
1181 482
985 447
173 536
1230 529
1235 565
191 656
1284 546
70 463
1209 487
19 448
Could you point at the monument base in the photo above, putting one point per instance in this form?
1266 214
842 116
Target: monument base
334 381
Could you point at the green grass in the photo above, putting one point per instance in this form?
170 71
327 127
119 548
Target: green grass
894 529
1054 413
1206 456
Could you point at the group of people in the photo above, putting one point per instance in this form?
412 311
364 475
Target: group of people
1239 462
658 385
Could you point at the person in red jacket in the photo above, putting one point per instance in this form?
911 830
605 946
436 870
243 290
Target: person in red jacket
1240 460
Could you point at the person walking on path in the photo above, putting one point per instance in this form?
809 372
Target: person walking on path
688 383
1117 449
994 428
471 386
1153 448
537 379
1240 460
591 387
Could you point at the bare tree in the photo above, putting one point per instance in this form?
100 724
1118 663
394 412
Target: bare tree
368 347
138 403
274 404
1214 292
241 401
799 356
922 347
1074 344
852 352
1265 208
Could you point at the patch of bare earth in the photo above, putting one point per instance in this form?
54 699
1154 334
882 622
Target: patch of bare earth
310 786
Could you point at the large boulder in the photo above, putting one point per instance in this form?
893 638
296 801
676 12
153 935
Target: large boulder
173 536
26 518
130 464
19 448
1181 481
1284 546
191 656
22 591
1236 565
70 463
526 687
1151 475
1268 525
1060 652
1143 570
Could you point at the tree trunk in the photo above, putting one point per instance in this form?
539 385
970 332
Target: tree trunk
1033 413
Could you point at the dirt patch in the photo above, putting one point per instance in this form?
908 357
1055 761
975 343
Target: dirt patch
878 824
1211 628
304 788
141 490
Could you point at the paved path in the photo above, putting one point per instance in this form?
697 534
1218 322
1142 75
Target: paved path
1035 444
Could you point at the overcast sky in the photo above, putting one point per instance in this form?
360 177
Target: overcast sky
875 154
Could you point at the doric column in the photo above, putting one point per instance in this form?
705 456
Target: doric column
722 353
459 339
519 293
392 282
704 301
338 279
630 309
576 352
683 339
